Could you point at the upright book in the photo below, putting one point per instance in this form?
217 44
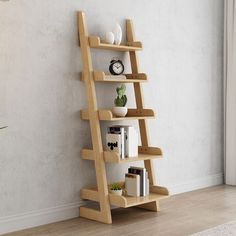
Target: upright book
131 139
130 136
118 130
114 144
141 171
132 184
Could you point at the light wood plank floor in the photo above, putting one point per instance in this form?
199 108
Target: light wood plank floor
181 214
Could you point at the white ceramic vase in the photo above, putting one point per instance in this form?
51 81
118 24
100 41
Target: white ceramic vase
118 34
110 38
119 111
116 192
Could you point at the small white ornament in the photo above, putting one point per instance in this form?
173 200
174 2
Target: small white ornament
120 111
118 34
110 37
116 192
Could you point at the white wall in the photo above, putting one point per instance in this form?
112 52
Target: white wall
41 171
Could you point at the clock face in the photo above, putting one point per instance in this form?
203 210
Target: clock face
118 68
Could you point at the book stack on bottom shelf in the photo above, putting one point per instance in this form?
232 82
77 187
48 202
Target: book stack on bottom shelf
137 182
137 190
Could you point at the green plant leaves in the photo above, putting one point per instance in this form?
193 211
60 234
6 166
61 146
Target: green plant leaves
121 99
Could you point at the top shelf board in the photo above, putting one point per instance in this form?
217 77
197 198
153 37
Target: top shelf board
95 42
100 76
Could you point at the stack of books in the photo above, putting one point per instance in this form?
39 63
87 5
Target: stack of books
137 182
122 139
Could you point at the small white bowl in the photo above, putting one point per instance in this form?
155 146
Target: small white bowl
116 192
119 111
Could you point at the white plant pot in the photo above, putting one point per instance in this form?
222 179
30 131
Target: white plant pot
119 111
118 34
116 192
110 38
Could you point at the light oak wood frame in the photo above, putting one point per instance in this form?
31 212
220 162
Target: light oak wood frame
140 105
97 154
104 215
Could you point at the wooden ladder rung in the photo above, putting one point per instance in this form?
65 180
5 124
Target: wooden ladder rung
150 150
87 154
144 153
100 76
95 42
159 190
133 114
89 194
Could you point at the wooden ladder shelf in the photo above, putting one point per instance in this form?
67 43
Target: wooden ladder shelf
100 193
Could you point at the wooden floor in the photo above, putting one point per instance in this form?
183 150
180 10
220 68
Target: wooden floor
181 214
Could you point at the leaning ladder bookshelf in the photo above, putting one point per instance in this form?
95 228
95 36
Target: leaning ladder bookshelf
94 115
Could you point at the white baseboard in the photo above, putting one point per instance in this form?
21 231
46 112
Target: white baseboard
69 211
36 218
194 184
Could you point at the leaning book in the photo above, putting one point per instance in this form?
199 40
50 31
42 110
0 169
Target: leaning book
114 144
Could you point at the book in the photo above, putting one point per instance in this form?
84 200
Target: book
141 171
130 139
114 143
132 184
134 142
121 131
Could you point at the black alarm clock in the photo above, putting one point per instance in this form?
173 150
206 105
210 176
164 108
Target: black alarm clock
116 67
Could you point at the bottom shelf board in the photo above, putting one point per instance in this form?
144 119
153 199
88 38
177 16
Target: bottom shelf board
127 201
157 193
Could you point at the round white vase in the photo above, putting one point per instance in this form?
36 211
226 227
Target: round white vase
116 192
119 111
118 34
110 38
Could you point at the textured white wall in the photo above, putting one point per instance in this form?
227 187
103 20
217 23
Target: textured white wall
40 98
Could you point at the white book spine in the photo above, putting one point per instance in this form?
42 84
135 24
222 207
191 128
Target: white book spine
147 187
122 143
133 142
144 182
129 141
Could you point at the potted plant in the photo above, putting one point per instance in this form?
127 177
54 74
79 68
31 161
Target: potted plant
120 102
116 189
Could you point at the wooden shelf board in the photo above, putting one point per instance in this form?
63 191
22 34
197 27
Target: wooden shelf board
133 114
100 76
157 193
145 153
112 157
95 42
127 201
